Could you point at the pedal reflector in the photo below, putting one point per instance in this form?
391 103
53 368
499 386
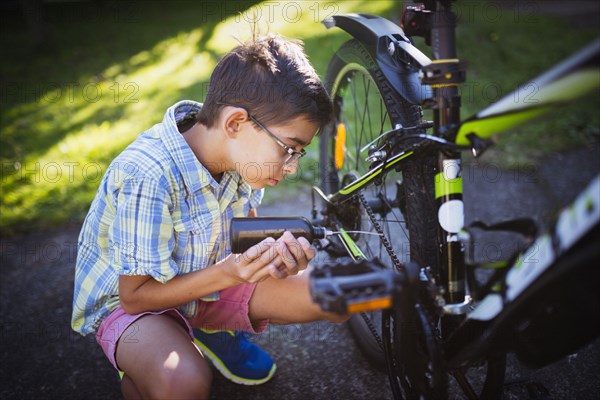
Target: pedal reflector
370 305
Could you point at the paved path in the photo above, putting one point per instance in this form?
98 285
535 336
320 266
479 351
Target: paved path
42 358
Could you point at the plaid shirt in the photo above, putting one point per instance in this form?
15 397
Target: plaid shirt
157 212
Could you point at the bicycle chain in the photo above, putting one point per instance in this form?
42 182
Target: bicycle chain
384 240
397 265
373 330
396 262
392 254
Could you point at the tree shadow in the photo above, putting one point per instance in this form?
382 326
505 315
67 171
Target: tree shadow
84 39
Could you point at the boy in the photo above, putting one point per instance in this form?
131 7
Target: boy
153 257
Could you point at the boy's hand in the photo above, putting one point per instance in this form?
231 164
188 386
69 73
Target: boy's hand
278 259
254 265
294 255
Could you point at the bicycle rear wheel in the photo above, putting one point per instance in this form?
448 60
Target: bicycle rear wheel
365 107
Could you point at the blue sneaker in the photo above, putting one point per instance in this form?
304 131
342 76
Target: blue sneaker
238 359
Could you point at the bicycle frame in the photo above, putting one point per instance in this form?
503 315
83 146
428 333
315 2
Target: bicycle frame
402 64
570 79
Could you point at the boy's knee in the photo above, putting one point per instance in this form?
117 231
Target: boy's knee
189 381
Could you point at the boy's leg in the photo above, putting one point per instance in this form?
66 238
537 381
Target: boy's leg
287 301
160 359
129 390
222 329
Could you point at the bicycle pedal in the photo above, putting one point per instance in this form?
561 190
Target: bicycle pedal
353 287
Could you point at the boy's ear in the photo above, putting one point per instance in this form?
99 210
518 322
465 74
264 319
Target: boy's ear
233 117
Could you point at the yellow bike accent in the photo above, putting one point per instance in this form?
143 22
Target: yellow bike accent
340 146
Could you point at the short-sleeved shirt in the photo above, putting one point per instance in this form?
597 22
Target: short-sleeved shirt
158 212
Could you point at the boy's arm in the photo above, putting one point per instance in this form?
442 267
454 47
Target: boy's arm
141 239
140 293
142 242
270 258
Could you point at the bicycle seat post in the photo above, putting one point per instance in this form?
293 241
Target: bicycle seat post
444 75
446 71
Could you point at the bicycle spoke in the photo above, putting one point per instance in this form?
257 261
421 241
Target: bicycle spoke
359 142
370 125
466 387
392 221
355 100
397 219
383 116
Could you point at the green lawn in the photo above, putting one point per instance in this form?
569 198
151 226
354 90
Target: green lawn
110 70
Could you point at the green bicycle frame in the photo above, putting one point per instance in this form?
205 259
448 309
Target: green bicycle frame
572 78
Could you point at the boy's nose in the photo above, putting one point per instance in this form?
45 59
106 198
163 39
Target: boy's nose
291 168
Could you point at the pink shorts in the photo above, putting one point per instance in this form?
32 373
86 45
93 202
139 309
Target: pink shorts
230 312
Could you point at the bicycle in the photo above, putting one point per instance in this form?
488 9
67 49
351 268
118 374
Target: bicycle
430 317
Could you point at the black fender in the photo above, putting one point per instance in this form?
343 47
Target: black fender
401 68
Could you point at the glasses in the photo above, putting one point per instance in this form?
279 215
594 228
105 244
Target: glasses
293 154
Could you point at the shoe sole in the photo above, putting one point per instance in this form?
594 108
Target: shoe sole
218 364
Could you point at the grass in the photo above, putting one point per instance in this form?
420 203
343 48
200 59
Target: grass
504 50
110 70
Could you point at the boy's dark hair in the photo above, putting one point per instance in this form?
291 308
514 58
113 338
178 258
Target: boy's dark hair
272 79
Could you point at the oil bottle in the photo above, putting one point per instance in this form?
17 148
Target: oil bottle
246 232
